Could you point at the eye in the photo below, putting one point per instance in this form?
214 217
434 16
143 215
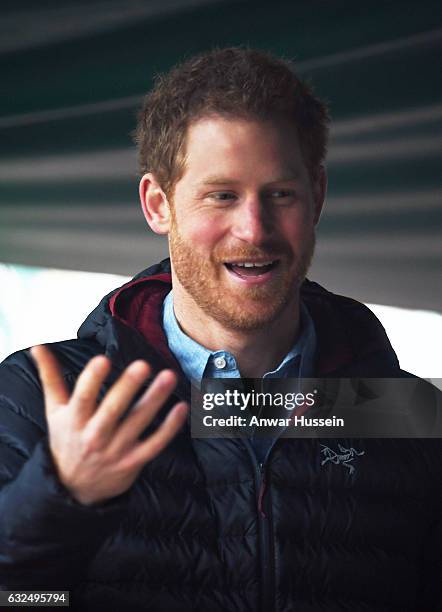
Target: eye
221 196
282 194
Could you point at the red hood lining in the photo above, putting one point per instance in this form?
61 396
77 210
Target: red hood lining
141 309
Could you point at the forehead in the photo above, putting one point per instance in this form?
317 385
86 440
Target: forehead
218 144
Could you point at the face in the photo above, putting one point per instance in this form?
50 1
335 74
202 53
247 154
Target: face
242 221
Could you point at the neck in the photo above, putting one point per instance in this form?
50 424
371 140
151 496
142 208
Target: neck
256 351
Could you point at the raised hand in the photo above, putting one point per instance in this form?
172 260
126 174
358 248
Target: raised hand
97 456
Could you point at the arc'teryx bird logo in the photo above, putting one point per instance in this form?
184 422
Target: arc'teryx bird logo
345 456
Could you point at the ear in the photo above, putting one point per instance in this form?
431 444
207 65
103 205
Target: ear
319 192
155 204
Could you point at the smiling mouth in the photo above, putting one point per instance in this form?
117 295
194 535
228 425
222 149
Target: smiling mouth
247 269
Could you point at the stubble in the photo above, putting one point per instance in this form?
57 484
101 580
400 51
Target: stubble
239 308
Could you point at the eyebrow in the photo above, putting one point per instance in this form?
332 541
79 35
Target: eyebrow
218 180
224 180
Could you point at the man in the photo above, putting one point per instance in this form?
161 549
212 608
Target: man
106 493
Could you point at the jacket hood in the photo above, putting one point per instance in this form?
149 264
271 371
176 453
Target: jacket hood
127 324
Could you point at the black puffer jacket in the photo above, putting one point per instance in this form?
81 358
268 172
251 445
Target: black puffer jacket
204 528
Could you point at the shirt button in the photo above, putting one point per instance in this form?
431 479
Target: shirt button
220 363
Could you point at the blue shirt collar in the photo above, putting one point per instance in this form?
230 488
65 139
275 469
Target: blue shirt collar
197 361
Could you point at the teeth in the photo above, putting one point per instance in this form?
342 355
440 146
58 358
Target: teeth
253 265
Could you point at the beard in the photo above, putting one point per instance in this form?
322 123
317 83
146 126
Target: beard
239 308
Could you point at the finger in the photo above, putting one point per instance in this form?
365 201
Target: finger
54 388
148 449
87 387
102 424
144 411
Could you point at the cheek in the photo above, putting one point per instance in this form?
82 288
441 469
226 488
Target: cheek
297 227
201 231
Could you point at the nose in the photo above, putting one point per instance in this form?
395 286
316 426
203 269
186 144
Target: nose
253 221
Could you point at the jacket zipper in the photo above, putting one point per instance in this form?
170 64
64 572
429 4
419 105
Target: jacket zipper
265 549
264 530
